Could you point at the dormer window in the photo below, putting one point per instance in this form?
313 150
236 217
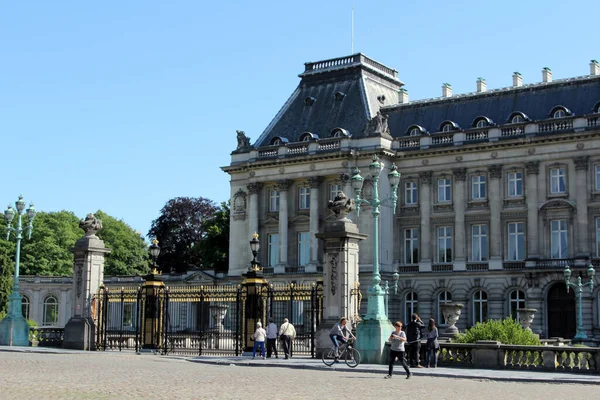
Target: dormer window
278 141
415 130
560 112
446 128
597 108
339 132
309 101
449 126
482 122
517 118
339 96
308 136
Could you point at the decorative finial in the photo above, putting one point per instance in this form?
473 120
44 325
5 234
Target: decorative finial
255 235
154 241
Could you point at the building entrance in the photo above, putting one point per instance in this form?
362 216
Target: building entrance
561 312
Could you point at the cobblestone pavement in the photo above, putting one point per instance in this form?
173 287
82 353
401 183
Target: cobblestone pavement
130 376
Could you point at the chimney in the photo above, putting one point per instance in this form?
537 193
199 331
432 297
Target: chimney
446 90
517 79
481 85
594 68
403 96
546 75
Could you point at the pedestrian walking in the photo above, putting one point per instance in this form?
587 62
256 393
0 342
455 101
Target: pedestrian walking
413 336
287 334
259 340
271 339
398 340
433 346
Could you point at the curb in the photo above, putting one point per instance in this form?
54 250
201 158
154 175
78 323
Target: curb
579 380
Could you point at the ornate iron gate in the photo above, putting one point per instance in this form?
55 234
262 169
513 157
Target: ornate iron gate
204 320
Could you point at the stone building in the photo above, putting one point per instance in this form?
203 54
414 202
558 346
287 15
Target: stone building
500 190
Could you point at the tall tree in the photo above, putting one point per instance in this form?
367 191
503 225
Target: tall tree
7 270
128 251
180 226
213 249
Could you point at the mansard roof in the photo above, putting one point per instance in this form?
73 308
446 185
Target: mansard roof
341 93
579 95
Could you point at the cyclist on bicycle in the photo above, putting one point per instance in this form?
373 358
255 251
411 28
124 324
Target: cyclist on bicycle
337 335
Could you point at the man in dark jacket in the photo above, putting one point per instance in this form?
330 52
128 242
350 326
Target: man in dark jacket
413 339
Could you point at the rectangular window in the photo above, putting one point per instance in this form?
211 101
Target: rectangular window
444 236
557 180
597 167
411 246
410 193
128 310
558 238
303 248
444 191
515 184
516 241
333 190
273 200
304 198
478 191
598 241
479 243
273 249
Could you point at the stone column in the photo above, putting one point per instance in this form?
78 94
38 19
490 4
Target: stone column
340 274
253 191
425 209
458 200
582 238
88 274
315 183
532 169
495 232
282 187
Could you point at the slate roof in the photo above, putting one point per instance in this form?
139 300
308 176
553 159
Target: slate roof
580 95
357 80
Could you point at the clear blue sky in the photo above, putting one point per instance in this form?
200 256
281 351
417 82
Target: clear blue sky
123 105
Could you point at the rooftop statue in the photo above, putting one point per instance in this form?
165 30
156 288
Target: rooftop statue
378 125
243 141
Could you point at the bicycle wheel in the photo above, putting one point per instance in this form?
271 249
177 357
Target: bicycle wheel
352 358
328 357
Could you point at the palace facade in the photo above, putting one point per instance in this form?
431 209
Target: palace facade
499 190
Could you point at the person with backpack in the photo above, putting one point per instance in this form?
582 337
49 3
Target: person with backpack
413 339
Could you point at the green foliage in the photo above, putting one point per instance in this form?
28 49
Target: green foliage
7 271
47 253
507 331
213 249
179 228
128 251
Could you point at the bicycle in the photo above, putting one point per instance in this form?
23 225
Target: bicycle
349 354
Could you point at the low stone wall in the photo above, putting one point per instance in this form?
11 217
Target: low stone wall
494 355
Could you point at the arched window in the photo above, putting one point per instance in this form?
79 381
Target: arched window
559 113
412 305
447 128
480 306
50 316
482 123
415 132
443 298
276 142
517 119
25 306
517 300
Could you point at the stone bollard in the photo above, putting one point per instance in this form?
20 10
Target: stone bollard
488 354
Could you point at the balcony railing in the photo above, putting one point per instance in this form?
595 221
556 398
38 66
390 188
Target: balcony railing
555 263
512 131
267 153
476 135
409 143
439 140
442 267
408 269
513 265
294 270
553 126
593 121
329 144
477 266
298 149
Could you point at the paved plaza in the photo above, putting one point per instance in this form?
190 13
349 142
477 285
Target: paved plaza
79 375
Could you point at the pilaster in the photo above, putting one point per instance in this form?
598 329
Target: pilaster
425 209
495 234
282 187
532 169
315 183
458 200
582 241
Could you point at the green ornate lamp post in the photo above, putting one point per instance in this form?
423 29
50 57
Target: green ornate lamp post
578 292
14 329
376 326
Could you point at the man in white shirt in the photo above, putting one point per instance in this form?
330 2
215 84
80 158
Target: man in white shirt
287 333
271 339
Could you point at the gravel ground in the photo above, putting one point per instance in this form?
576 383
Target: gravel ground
129 376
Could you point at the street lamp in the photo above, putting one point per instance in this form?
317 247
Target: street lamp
14 329
579 290
375 304
254 246
154 252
